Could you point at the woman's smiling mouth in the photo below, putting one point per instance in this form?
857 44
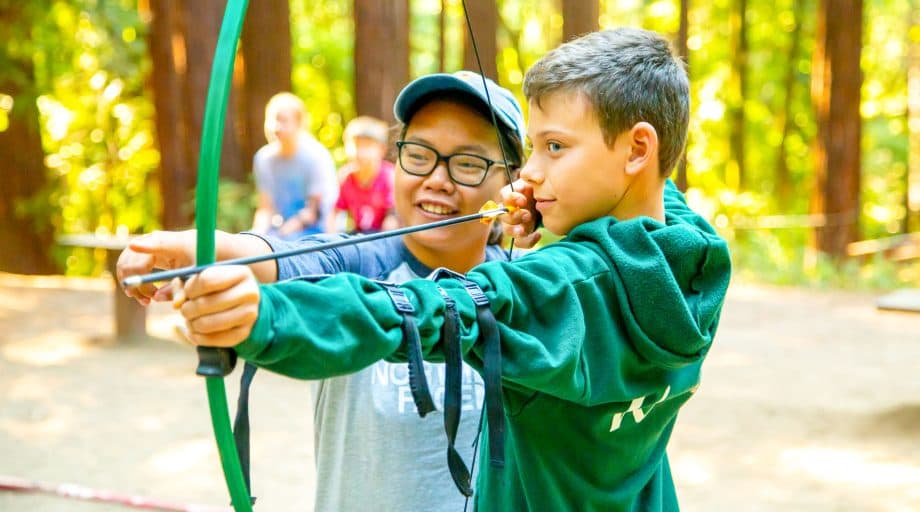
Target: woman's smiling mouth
436 208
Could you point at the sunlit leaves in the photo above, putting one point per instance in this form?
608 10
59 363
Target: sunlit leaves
97 120
91 65
323 68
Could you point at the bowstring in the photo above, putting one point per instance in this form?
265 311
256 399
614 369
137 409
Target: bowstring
501 147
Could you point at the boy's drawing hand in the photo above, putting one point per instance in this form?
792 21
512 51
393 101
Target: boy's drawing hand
158 250
220 305
520 224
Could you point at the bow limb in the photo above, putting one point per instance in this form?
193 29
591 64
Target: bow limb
206 223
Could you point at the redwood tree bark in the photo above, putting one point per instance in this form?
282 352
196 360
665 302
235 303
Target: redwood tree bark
266 49
579 17
202 20
25 245
836 82
381 55
484 16
183 37
177 164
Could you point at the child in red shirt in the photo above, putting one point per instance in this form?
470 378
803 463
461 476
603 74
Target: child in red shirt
366 190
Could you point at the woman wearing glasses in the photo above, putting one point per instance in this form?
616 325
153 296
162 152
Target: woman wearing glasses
373 452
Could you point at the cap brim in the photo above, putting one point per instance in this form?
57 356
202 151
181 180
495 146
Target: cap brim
425 87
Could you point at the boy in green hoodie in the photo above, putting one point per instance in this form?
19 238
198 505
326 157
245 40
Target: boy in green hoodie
602 334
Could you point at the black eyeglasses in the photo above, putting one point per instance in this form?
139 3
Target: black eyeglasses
463 168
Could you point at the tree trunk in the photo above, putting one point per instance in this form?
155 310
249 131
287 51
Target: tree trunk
177 163
782 179
912 195
266 49
26 243
579 17
381 55
736 117
836 81
202 23
684 51
183 38
484 17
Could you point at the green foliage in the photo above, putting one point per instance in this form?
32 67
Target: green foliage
785 258
425 37
884 110
236 205
780 255
529 29
90 66
323 69
97 124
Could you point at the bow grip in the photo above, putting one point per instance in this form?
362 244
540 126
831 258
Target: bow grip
215 361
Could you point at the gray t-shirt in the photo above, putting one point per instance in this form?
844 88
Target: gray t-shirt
373 451
291 180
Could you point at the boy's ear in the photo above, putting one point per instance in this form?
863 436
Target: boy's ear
643 151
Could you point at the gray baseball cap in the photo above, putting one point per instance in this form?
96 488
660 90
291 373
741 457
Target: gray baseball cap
504 104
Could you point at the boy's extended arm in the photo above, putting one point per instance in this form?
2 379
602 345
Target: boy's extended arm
602 316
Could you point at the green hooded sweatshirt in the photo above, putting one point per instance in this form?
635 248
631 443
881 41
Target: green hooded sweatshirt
602 339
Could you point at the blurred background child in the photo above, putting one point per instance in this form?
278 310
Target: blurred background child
294 172
366 190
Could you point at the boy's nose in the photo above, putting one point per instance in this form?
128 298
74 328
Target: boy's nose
531 173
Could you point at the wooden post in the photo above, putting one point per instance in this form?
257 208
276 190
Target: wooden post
130 317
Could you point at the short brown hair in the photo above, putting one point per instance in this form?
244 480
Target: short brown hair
629 76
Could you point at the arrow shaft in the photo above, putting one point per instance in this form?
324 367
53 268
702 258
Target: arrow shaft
248 260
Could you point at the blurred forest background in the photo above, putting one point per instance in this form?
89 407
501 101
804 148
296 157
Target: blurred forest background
804 145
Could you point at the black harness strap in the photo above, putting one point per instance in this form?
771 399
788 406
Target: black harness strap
453 380
241 423
418 383
492 372
241 433
492 364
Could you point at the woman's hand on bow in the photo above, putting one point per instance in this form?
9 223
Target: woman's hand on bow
220 305
164 250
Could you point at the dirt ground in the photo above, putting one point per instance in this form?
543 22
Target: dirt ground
810 402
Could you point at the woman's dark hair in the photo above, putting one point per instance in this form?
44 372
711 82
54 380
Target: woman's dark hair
510 141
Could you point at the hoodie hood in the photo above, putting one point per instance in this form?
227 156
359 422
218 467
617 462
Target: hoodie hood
672 278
